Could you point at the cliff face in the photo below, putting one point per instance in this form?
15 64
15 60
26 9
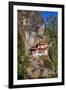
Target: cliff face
31 32
31 26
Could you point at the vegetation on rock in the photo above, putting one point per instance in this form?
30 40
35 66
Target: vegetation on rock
28 36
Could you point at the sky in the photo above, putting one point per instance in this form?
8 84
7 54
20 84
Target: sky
46 14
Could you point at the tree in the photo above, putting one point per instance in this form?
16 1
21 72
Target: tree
51 33
22 58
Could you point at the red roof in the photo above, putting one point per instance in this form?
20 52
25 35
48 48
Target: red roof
34 49
40 48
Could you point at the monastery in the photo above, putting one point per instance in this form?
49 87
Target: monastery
39 50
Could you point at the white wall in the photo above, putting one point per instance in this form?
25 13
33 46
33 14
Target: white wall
4 44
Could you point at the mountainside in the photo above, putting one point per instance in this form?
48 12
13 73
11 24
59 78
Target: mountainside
37 45
31 26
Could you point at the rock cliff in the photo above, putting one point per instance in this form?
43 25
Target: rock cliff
31 25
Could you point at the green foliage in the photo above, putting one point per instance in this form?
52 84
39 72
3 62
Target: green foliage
53 75
42 58
47 63
52 37
21 46
23 61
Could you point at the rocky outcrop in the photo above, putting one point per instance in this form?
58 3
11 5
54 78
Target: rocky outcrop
31 25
